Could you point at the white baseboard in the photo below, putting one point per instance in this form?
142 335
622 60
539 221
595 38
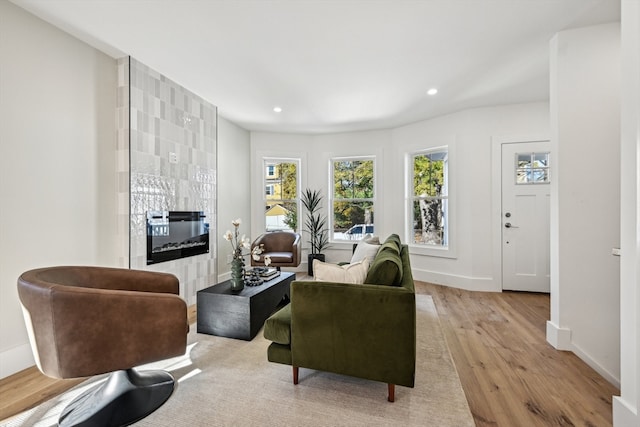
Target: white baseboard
559 338
15 360
595 365
469 283
623 414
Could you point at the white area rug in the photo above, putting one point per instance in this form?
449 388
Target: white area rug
227 382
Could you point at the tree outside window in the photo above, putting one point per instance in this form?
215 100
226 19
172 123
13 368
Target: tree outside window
429 198
353 197
281 195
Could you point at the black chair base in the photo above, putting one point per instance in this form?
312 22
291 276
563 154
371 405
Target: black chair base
124 398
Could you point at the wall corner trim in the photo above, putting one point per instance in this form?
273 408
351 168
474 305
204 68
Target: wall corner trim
559 338
623 414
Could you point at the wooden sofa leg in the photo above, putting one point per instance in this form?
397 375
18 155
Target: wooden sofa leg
392 393
295 375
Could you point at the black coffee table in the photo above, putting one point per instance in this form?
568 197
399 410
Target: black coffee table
240 315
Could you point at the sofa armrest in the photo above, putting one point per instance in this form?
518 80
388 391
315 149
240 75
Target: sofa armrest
367 331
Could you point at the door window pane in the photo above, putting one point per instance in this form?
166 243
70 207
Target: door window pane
532 168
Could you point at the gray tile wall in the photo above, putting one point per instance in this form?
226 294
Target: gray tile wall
168 160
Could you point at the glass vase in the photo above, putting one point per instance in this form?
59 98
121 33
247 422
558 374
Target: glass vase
237 275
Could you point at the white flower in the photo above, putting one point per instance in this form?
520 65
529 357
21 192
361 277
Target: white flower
267 260
228 235
236 222
255 253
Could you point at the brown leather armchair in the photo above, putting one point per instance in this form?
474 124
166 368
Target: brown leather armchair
85 321
283 247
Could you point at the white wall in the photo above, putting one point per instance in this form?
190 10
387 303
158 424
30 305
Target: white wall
234 184
626 408
585 196
469 134
57 162
472 134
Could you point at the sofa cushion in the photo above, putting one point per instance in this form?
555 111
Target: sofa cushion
365 250
387 267
348 273
390 246
277 328
396 240
279 353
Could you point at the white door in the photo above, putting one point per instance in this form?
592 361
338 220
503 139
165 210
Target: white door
525 216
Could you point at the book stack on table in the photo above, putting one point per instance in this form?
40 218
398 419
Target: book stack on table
267 273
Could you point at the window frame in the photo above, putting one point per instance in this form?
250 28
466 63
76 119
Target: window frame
265 183
450 250
332 199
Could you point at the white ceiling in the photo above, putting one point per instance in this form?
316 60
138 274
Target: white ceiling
335 65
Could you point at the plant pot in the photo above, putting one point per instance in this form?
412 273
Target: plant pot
310 258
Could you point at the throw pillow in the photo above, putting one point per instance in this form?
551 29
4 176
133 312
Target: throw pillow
371 239
364 250
348 273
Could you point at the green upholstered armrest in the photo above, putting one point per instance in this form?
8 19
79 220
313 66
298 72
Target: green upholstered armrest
366 331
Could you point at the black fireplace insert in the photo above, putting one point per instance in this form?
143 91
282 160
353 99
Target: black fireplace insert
176 234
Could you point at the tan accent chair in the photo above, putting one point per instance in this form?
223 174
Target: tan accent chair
283 247
85 321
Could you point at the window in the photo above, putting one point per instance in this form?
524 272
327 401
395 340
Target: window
271 171
429 198
532 168
352 197
281 194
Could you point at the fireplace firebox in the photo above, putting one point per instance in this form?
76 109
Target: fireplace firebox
176 234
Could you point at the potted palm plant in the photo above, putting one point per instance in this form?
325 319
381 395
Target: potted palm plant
316 225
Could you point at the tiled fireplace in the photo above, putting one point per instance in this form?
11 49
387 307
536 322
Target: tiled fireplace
166 162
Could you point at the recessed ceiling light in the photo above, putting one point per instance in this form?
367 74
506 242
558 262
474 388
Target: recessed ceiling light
277 109
432 91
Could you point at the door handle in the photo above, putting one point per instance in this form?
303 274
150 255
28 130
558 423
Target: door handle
508 225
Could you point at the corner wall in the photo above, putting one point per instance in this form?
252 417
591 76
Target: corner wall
234 187
57 162
585 196
626 407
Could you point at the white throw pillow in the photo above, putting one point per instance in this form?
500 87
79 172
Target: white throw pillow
371 239
364 250
348 273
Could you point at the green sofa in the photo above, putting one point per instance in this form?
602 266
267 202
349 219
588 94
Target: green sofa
361 330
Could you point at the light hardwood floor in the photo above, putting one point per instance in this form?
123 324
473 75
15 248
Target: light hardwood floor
510 374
